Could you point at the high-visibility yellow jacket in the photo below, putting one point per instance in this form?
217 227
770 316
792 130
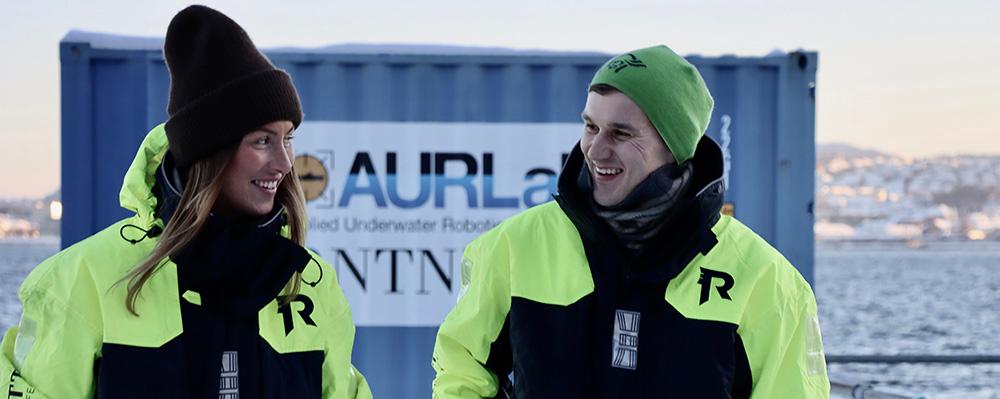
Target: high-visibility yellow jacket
76 338
710 310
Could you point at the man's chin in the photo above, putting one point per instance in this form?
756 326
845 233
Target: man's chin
605 200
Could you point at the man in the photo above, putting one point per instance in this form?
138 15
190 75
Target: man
631 284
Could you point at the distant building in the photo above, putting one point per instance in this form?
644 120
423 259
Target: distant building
865 195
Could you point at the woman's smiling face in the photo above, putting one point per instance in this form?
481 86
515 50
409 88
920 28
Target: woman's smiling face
261 160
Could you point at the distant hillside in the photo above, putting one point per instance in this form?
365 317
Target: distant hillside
864 194
827 151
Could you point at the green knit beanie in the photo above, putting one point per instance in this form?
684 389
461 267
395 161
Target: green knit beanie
668 89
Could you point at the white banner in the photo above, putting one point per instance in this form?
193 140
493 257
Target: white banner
392 205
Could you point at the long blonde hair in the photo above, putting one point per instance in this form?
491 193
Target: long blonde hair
203 187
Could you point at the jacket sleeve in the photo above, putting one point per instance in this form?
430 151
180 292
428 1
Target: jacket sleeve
346 382
472 348
51 353
783 342
341 379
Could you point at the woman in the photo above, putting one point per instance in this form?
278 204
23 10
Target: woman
207 290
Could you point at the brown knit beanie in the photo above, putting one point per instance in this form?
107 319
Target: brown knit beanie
221 86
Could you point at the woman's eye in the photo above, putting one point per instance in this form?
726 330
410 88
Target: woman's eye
262 141
288 141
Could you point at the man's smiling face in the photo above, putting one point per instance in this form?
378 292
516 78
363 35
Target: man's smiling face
620 145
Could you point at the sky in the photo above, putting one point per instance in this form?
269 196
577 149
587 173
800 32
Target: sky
912 78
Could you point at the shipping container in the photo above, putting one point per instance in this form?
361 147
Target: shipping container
115 88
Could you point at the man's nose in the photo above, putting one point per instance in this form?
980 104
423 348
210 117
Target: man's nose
600 147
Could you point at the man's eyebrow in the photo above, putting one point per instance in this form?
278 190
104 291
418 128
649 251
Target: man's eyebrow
615 125
623 126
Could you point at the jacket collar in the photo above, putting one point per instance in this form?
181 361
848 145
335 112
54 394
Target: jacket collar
707 189
169 188
250 263
689 232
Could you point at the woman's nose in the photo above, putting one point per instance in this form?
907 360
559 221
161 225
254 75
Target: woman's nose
281 159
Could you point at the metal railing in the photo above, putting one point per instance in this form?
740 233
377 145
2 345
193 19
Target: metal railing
894 359
867 391
863 391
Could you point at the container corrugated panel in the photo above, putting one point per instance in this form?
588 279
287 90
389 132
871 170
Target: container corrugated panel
115 88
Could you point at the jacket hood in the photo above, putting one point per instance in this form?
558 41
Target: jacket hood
709 186
137 194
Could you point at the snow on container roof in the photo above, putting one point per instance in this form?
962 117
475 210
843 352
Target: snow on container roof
111 41
100 40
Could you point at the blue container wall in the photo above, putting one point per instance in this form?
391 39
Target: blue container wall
113 94
770 104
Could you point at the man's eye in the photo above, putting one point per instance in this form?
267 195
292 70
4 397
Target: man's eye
590 127
263 140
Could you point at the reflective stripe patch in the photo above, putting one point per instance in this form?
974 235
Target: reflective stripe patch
466 277
229 381
815 359
192 297
26 332
625 345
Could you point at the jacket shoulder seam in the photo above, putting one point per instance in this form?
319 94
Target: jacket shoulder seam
736 248
42 296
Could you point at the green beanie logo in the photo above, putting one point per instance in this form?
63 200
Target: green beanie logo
668 89
625 61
